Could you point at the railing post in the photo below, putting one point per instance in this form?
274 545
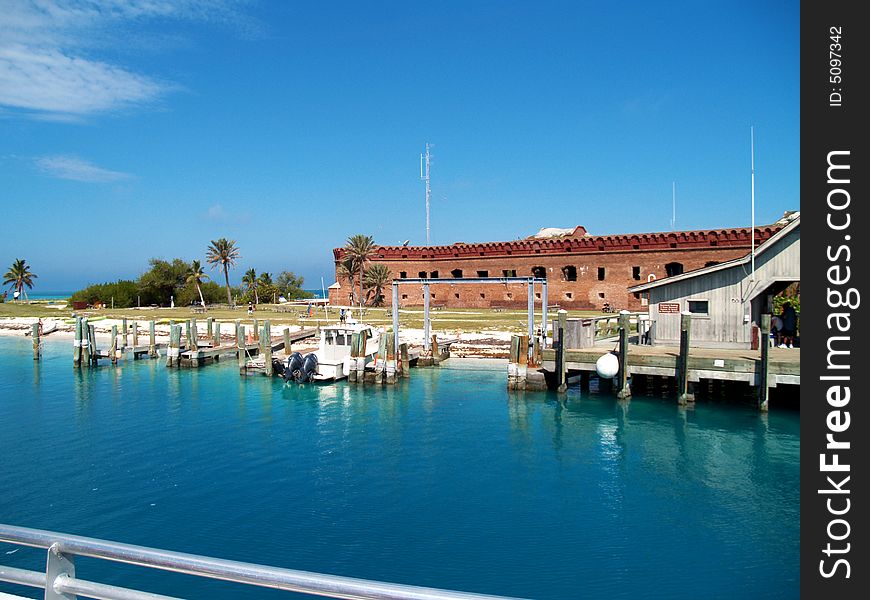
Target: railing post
58 564
763 390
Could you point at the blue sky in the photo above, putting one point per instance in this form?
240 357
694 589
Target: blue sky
132 129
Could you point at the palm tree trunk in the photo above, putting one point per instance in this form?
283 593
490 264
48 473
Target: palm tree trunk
227 279
361 265
201 299
256 297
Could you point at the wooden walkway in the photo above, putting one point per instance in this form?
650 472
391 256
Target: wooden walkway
207 354
704 363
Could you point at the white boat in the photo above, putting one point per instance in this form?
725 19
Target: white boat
333 360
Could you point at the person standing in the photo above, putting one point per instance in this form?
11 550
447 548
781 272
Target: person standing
789 325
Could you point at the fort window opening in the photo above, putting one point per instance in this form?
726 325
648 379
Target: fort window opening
509 296
456 296
674 268
422 274
483 273
432 296
635 273
404 297
601 272
569 272
483 296
601 295
538 295
569 295
434 274
457 274
539 272
509 273
403 274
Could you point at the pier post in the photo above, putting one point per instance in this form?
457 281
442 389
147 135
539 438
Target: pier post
287 341
361 358
256 330
77 344
391 360
531 316
86 343
764 343
354 348
34 332
135 336
240 345
209 329
513 360
561 363
152 340
544 322
172 350
436 353
113 345
267 348
381 365
216 336
406 361
395 314
536 352
684 395
194 328
93 339
522 361
124 330
624 391
426 321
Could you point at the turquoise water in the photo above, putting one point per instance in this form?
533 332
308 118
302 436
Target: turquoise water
446 480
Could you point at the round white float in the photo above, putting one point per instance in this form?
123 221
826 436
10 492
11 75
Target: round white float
607 366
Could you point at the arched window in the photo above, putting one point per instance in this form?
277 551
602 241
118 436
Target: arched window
456 273
673 268
539 272
569 272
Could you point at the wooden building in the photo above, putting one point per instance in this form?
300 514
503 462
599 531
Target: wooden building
583 271
726 300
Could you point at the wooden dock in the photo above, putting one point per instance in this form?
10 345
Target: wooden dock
208 354
703 363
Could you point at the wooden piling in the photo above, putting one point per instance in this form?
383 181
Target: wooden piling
381 360
240 345
361 358
391 359
86 343
267 347
113 345
152 339
684 394
287 349
406 361
194 330
763 389
173 352
436 352
623 391
135 336
354 350
513 361
187 337
561 364
256 330
124 329
93 339
34 332
209 328
77 344
522 362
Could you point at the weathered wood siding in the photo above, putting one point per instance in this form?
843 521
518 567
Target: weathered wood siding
728 292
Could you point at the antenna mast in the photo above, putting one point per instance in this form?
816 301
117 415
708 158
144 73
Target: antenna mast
752 154
425 178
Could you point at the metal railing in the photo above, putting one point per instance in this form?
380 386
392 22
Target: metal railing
60 582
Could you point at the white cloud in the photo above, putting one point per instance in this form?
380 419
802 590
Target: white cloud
77 169
48 67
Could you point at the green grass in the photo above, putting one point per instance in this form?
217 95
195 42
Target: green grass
464 319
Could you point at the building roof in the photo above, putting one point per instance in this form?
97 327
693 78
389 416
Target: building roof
789 222
581 244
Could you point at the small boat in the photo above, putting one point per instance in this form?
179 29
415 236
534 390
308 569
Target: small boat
332 360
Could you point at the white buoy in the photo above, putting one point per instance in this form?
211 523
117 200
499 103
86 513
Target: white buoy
607 366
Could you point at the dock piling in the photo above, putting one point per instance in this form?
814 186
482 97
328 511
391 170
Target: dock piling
35 333
522 361
763 389
391 360
86 343
684 394
287 349
173 351
513 360
240 344
152 340
113 345
623 391
406 361
267 347
92 336
77 344
561 364
124 330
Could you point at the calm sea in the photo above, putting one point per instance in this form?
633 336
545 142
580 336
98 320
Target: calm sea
446 480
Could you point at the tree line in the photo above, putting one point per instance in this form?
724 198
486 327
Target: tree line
186 283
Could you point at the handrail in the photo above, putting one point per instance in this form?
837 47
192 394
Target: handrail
68 546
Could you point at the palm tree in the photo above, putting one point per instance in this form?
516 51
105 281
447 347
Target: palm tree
223 252
250 280
377 277
196 276
265 281
19 275
347 270
360 248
